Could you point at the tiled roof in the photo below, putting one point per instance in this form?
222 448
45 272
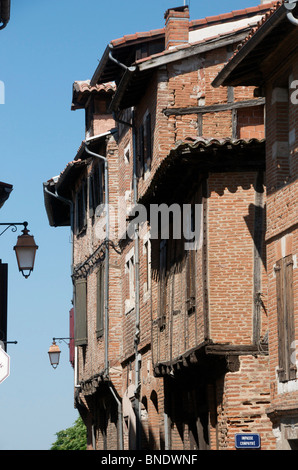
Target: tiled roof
202 154
69 166
82 89
274 6
205 142
187 45
84 86
193 24
138 36
242 49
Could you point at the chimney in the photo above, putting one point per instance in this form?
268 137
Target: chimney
176 26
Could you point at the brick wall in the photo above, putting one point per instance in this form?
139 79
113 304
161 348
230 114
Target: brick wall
281 233
230 226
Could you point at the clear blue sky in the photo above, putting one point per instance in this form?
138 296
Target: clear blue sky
47 45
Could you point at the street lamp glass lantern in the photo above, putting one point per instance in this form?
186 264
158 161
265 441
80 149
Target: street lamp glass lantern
54 354
25 252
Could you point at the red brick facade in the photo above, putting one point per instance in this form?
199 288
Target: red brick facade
275 76
182 363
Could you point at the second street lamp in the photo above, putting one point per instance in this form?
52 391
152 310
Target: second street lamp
25 252
25 248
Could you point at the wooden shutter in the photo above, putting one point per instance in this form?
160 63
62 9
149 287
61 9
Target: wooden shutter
71 335
81 312
289 314
100 301
285 318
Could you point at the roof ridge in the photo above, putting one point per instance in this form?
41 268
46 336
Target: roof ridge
232 15
195 24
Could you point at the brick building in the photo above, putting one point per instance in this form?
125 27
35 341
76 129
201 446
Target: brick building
268 60
171 328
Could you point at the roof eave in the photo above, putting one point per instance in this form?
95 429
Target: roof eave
5 13
143 67
204 156
5 190
224 78
101 66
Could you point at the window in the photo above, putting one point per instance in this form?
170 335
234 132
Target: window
147 265
100 300
281 110
96 190
285 317
145 144
127 154
89 119
81 205
130 277
141 150
190 282
147 140
80 312
191 267
162 283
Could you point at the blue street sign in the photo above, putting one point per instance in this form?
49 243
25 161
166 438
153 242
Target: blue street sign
247 441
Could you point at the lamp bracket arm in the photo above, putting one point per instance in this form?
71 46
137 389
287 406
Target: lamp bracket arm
62 339
12 225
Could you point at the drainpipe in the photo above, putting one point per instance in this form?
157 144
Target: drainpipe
104 159
70 203
120 419
291 5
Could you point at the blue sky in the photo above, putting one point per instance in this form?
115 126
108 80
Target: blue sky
47 45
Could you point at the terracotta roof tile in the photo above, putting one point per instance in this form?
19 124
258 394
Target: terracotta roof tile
82 89
193 24
187 45
274 6
134 37
84 86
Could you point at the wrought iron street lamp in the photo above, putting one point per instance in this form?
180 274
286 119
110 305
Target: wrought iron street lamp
54 352
25 248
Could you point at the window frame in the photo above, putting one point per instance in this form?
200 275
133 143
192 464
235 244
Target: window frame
81 208
130 281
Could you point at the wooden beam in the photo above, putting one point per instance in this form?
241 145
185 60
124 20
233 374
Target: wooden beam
230 349
192 50
215 108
